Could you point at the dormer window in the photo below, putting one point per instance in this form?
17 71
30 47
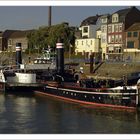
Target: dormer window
104 20
85 30
115 18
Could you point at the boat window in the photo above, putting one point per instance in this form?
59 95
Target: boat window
128 91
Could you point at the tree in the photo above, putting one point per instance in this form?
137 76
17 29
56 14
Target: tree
45 36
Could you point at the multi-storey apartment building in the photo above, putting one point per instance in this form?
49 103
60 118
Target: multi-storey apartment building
104 23
132 47
118 23
88 43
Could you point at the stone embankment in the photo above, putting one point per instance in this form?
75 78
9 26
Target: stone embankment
113 70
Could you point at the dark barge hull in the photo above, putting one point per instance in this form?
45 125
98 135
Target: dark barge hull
19 87
102 99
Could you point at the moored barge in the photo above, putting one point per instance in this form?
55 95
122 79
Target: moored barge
85 92
16 78
119 97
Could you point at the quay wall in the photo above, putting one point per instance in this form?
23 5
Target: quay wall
114 70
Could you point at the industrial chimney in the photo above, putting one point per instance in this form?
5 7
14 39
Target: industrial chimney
60 56
18 54
49 16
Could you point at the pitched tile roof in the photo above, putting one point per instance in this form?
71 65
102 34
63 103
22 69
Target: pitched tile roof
134 27
15 33
7 33
90 20
122 13
19 34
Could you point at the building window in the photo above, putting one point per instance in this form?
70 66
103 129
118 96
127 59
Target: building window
116 38
103 28
129 34
135 34
120 38
82 42
104 20
109 39
116 28
115 18
103 39
130 44
109 29
77 42
85 29
112 39
120 28
91 42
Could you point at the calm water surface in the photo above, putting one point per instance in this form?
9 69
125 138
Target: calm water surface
45 115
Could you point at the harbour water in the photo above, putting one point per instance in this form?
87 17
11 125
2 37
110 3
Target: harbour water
44 115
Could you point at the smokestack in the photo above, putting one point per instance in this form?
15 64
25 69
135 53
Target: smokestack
49 16
60 56
18 54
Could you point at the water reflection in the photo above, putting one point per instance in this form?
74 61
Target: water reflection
45 115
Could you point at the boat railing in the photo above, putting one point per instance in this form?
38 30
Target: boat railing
11 68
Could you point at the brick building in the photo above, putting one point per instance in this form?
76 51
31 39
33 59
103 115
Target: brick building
119 22
132 47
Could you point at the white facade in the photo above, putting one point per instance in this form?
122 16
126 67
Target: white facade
87 31
104 39
104 28
98 34
115 18
87 45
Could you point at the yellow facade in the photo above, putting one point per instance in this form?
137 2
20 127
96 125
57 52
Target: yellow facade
87 45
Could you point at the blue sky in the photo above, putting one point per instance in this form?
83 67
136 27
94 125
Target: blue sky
31 17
